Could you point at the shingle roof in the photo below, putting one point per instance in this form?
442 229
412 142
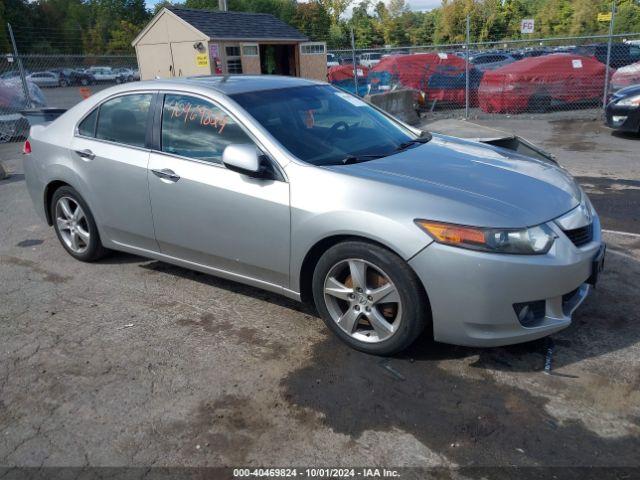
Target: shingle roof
238 25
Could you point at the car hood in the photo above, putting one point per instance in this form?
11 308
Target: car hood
466 178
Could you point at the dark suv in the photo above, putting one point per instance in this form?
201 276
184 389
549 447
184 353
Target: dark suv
75 77
621 53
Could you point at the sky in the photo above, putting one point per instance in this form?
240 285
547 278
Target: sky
415 4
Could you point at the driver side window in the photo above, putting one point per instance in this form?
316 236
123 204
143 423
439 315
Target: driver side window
197 129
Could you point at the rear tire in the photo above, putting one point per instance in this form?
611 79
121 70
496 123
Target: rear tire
76 229
370 297
539 103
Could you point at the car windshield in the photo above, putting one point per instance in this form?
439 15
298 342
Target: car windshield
322 125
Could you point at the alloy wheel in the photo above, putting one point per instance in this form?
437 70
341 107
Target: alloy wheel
72 225
362 300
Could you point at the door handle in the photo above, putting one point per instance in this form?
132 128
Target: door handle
166 174
86 154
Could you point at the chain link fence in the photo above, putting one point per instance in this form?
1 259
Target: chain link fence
559 76
57 80
525 76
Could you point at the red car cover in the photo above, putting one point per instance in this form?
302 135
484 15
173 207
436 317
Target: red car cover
561 77
340 73
414 71
625 76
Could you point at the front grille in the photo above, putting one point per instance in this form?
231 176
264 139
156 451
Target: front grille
580 236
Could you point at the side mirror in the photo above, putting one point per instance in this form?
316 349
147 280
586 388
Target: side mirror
243 158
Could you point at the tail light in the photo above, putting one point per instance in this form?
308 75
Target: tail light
26 149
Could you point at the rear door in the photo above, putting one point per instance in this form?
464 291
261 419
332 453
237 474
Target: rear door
203 212
110 152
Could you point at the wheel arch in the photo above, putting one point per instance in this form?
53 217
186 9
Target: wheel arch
317 250
49 190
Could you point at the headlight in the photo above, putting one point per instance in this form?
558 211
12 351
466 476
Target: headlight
528 241
629 102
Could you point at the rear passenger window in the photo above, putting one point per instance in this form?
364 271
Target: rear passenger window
87 127
124 119
197 129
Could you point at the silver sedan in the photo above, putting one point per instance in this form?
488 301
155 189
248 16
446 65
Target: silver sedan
296 187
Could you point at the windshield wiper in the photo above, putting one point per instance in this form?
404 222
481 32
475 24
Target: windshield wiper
423 139
351 159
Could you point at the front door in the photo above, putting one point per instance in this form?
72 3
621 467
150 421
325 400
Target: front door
206 214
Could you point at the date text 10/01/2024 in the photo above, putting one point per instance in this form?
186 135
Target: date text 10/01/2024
315 472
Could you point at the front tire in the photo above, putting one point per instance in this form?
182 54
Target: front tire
370 298
75 226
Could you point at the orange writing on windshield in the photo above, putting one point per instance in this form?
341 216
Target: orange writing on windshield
199 113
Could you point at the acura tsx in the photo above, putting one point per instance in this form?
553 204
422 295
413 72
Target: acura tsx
299 188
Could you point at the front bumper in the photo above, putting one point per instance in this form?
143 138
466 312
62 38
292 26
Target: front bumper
473 294
625 119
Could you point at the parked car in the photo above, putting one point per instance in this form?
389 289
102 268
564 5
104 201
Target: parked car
124 75
11 74
302 189
538 83
103 74
621 53
76 77
369 59
626 76
342 76
13 124
534 52
491 61
439 77
47 79
623 110
332 60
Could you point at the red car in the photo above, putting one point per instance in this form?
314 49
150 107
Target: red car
438 76
537 83
626 76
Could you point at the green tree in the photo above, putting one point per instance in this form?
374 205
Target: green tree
335 8
313 20
4 35
554 17
627 17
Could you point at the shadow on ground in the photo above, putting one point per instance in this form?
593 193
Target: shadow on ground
617 201
595 331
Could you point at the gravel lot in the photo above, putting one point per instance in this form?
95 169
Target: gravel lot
136 362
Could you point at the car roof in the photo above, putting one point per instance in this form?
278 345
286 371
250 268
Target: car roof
232 84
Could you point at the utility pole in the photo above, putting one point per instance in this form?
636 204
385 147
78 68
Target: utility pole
606 78
25 86
353 56
466 89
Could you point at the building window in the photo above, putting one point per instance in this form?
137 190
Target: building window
250 50
313 49
234 63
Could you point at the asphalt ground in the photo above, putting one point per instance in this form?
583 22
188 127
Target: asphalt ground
133 362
